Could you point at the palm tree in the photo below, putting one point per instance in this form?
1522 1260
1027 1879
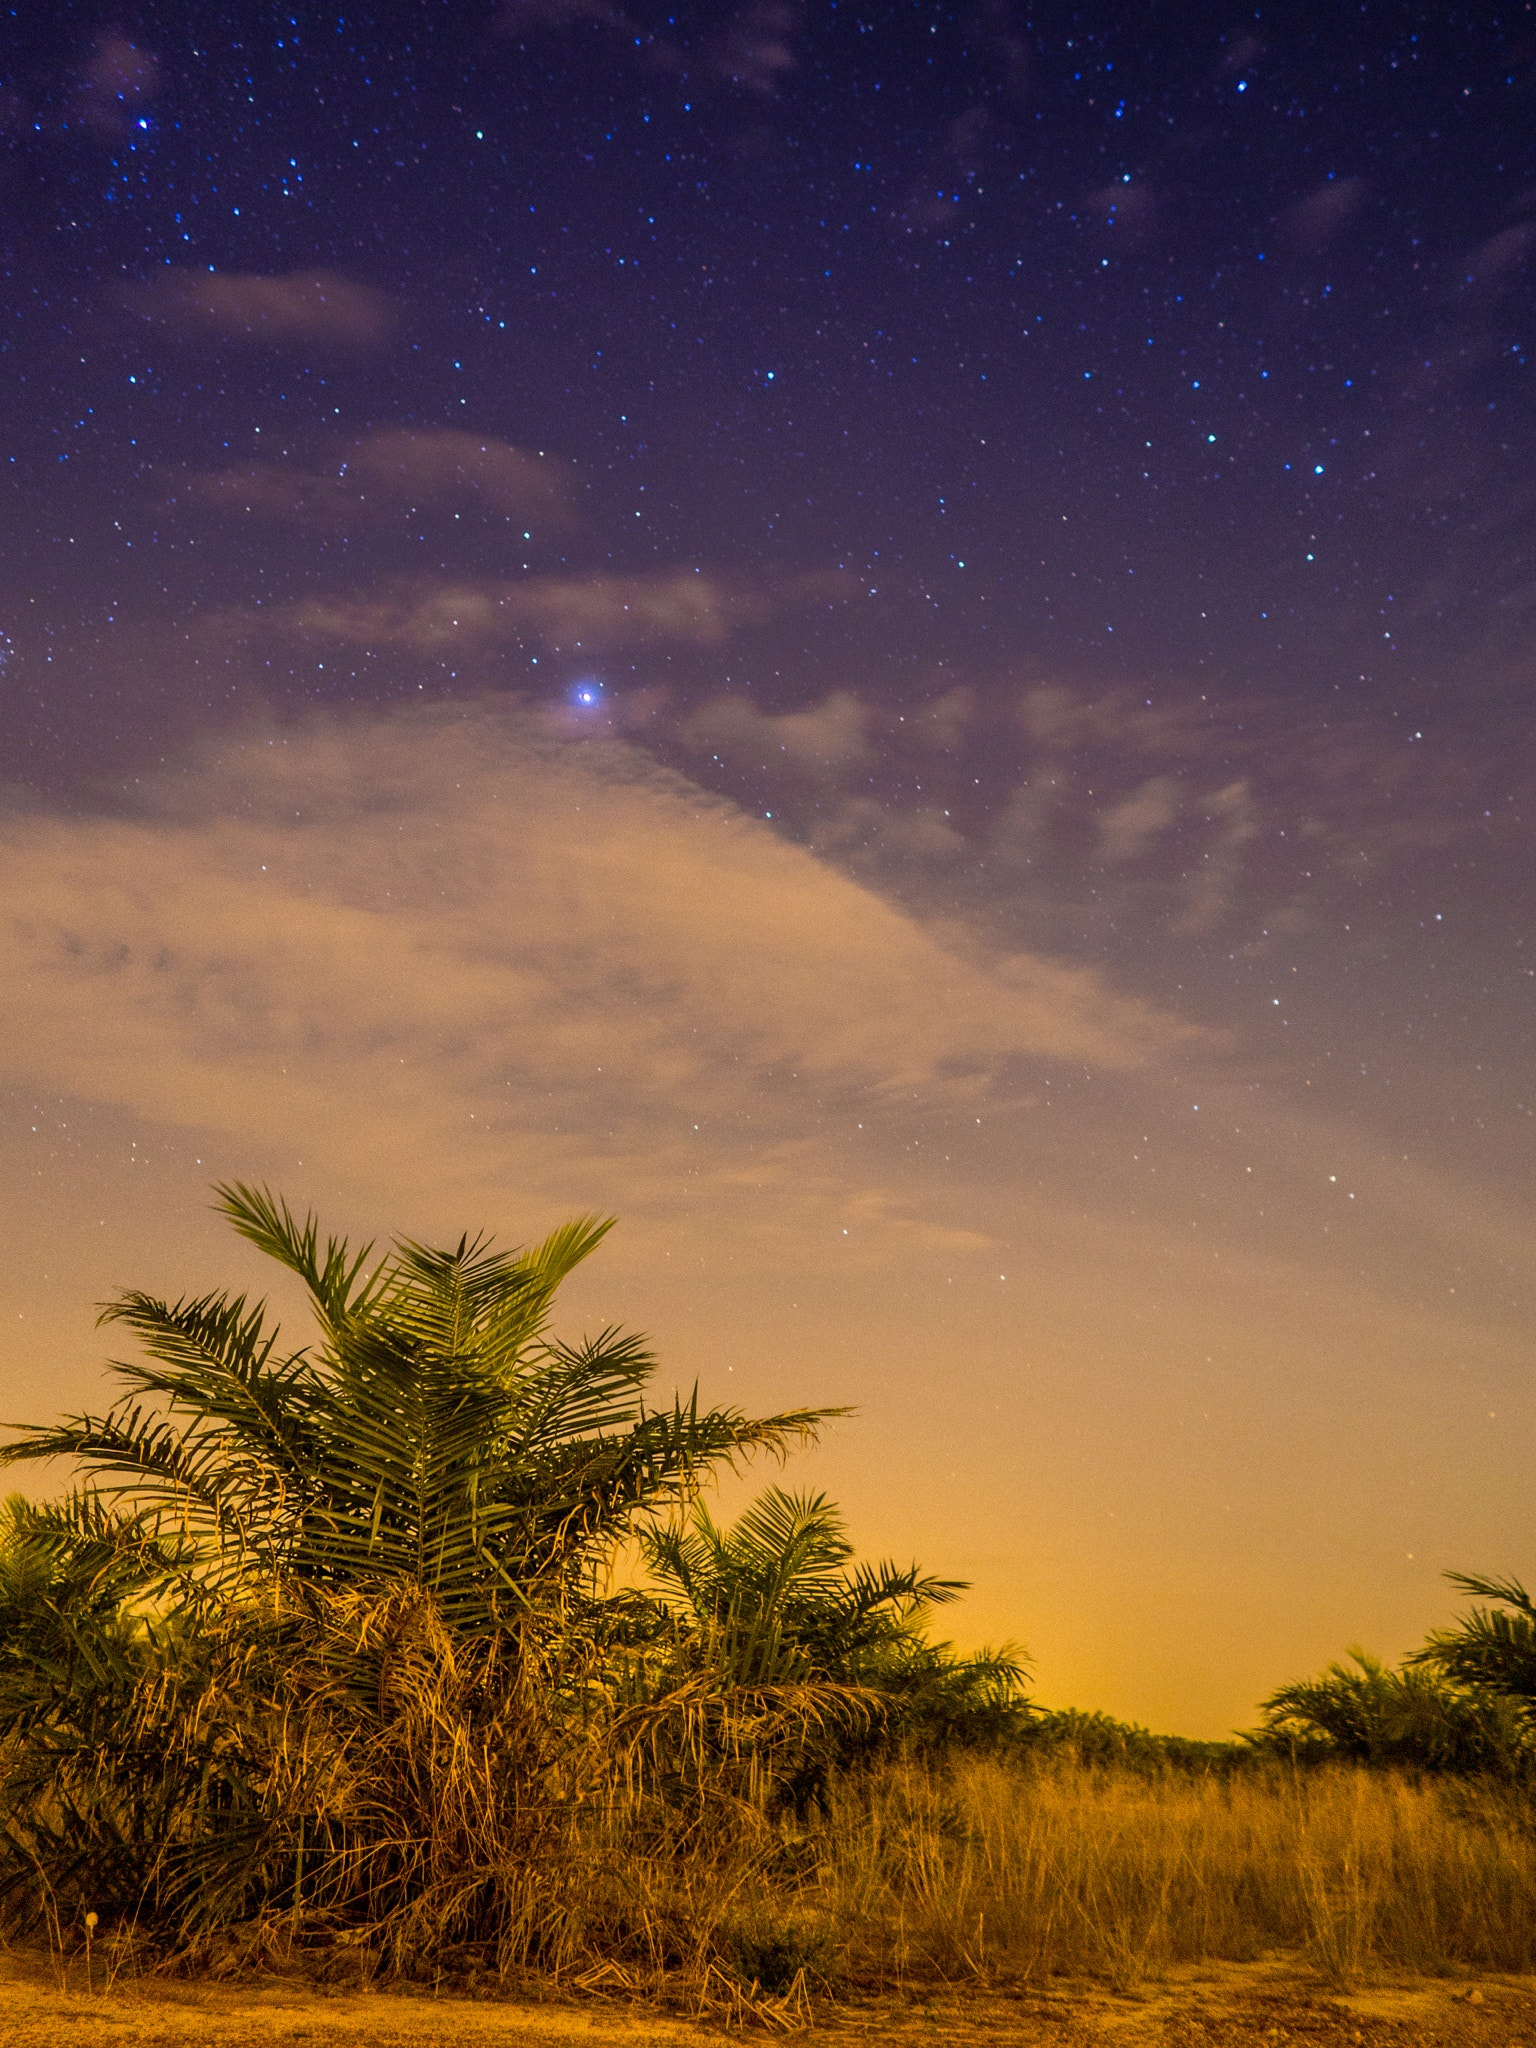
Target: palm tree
321 1629
1412 1717
436 1436
775 1601
1491 1650
775 1598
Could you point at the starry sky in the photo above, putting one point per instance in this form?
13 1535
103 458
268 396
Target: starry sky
893 641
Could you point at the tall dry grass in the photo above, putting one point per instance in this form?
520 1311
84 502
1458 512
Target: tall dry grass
980 1872
999 1873
358 1783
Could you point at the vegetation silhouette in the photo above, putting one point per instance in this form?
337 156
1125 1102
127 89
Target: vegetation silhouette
324 1631
325 1660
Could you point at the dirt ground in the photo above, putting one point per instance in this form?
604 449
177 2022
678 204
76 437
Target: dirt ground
1261 2005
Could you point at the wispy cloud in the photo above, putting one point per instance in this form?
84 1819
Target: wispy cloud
385 928
118 78
755 47
1120 810
751 47
387 474
308 306
679 606
826 738
608 610
1312 222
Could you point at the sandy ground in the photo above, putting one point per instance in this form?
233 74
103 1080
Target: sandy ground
1267 2005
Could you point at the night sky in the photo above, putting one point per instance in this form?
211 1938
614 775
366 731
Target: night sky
894 641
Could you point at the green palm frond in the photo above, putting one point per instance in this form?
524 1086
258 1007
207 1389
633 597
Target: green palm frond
180 1470
216 1360
475 1299
775 1593
788 1544
332 1275
885 1587
1509 1592
437 1434
590 1389
1490 1649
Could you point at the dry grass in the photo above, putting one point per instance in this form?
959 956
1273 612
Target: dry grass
983 1877
993 1874
412 1807
1022 1901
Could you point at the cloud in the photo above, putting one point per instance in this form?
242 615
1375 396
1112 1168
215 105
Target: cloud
861 825
955 172
753 49
117 79
394 471
271 490
830 736
1312 222
946 723
679 607
415 932
1129 828
448 466
1001 29
1496 261
306 306
833 737
1129 207
1122 810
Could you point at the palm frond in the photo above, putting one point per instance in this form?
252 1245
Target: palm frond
495 1302
331 1275
217 1361
1509 1592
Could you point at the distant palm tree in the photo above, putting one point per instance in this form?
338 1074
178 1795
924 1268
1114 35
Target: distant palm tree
435 1436
1413 1717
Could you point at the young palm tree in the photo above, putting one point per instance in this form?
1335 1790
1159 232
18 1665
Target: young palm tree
776 1601
321 1631
436 1435
775 1597
1411 1717
1491 1650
